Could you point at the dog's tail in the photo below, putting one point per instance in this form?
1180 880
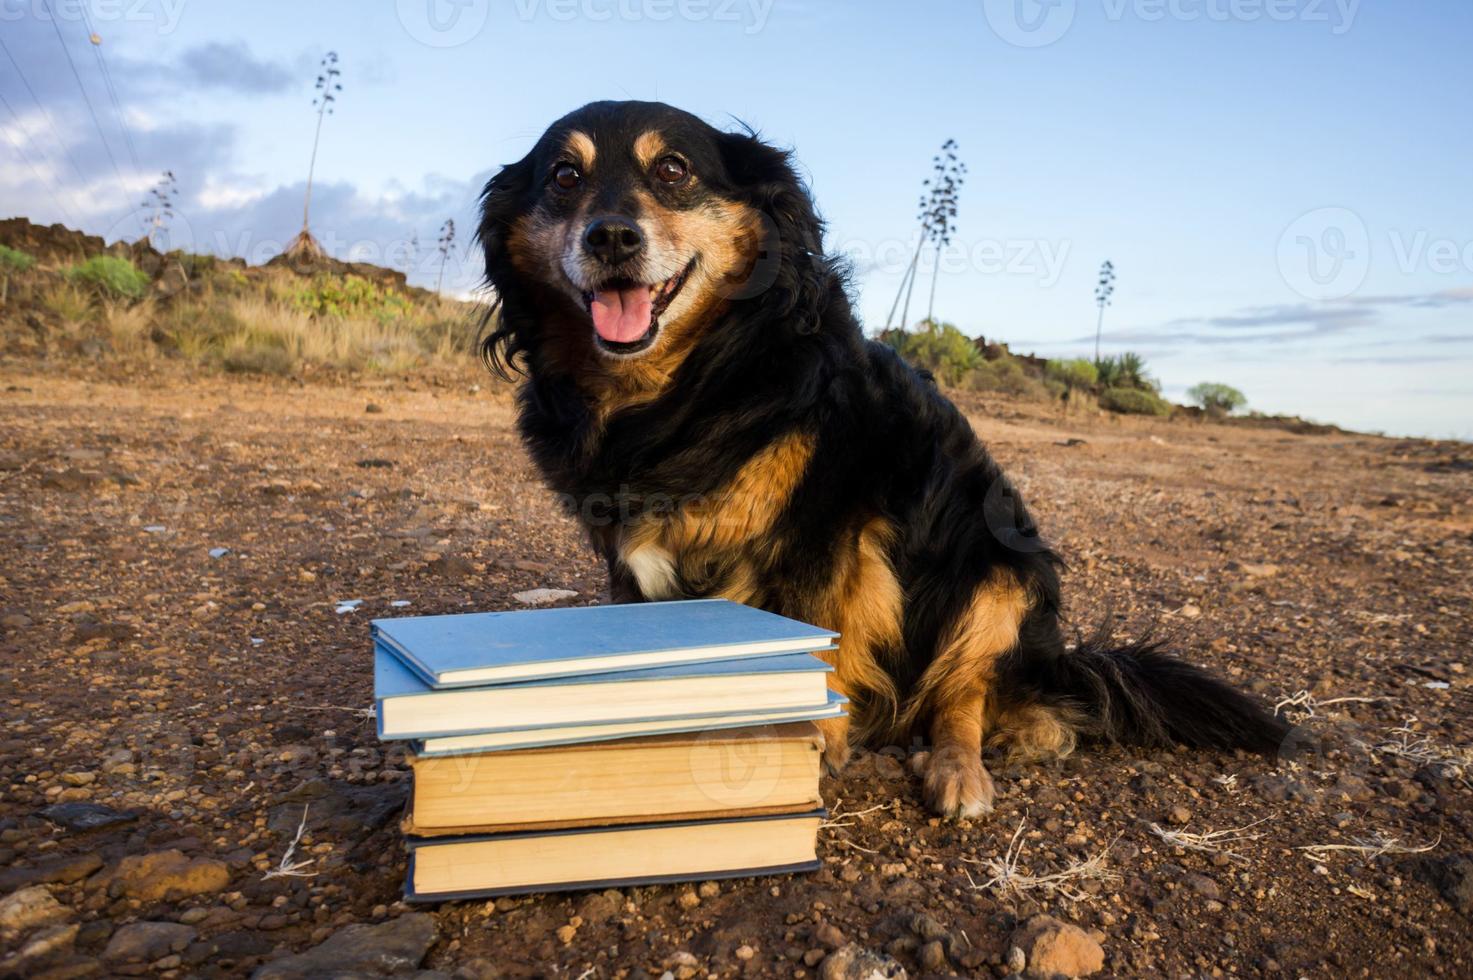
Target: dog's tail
1136 694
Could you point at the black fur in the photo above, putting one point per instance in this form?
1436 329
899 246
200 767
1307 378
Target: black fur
791 357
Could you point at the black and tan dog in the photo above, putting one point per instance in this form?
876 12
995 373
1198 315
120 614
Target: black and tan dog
698 389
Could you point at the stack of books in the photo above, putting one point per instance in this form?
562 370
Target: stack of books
604 746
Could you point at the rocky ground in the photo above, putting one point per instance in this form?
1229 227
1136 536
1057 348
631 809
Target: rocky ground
189 567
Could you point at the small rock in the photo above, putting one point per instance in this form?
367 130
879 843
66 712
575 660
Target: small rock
1017 959
85 816
1179 814
1204 886
709 889
65 869
144 942
688 900
565 934
542 597
28 908
745 952
852 962
163 873
830 935
373 408
397 945
926 926
1053 947
932 957
1454 878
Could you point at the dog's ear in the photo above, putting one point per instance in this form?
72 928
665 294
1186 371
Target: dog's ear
503 331
501 200
765 180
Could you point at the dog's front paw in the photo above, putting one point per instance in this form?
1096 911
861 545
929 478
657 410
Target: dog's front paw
836 749
956 784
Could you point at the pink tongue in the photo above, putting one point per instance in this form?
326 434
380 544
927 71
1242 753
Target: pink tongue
622 315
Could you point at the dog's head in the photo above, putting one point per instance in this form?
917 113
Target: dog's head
632 227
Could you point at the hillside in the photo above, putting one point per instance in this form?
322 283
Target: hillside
68 296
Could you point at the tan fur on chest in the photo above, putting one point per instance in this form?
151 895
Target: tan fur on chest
727 534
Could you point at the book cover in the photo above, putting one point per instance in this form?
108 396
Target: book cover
506 647
577 734
771 768
488 865
408 708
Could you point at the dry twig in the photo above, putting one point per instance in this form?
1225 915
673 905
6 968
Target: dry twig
289 866
1211 841
1368 847
1008 877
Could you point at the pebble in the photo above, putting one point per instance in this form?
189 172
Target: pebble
1179 815
28 908
932 957
852 962
398 945
1053 947
146 942
166 873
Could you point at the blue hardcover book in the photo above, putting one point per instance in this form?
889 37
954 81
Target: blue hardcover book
538 738
410 708
476 649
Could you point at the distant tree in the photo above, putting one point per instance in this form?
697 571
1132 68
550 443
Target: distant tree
327 87
1217 399
1104 289
160 201
936 211
445 244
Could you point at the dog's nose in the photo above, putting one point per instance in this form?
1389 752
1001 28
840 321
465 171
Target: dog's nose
613 239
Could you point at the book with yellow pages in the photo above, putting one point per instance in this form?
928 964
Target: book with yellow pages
487 865
767 769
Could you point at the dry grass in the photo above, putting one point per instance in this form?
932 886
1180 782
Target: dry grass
1367 847
1210 841
1407 743
1009 877
1301 704
289 866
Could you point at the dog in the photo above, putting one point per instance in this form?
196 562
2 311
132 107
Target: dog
699 392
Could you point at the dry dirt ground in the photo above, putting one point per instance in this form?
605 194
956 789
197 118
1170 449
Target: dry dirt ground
172 711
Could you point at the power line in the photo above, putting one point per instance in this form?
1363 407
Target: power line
45 113
40 175
91 110
107 79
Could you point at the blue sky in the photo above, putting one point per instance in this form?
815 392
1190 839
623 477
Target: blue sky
1282 185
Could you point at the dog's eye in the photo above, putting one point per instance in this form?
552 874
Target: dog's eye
671 170
566 176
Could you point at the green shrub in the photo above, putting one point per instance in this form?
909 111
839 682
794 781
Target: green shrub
1007 375
1134 401
940 348
349 296
1077 373
110 277
14 260
1126 371
1217 399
